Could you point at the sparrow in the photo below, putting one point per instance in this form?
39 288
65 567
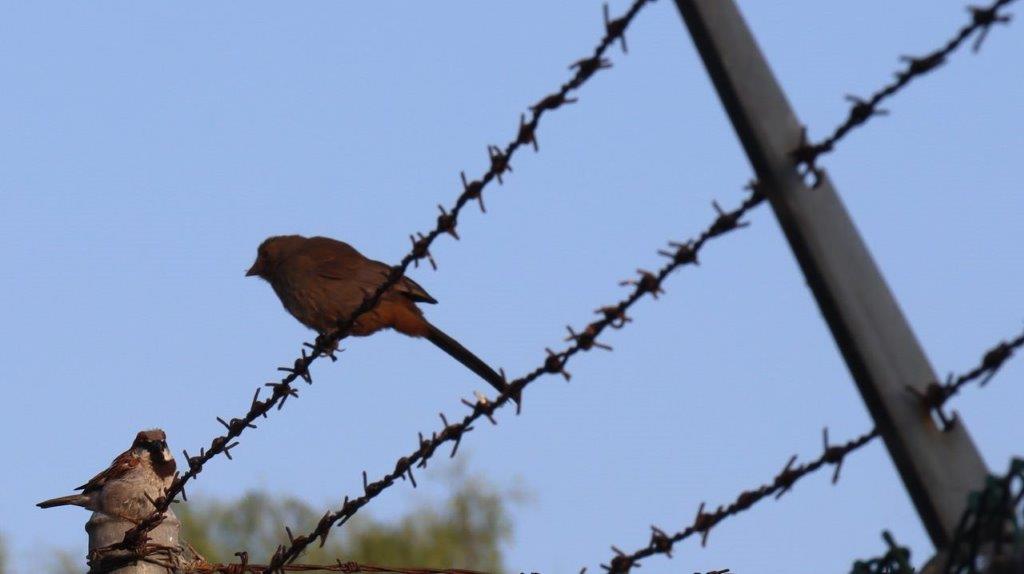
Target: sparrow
321 281
147 468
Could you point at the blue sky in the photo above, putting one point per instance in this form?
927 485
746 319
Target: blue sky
149 147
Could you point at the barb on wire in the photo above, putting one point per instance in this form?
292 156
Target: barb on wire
613 316
703 522
326 345
244 567
662 543
861 110
171 559
936 394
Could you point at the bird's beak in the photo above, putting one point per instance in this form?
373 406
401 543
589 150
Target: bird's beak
165 453
254 270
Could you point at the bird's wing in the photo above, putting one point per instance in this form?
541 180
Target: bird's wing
121 466
414 291
341 262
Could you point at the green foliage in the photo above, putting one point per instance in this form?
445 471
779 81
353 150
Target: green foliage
467 530
56 561
895 561
993 517
3 556
66 562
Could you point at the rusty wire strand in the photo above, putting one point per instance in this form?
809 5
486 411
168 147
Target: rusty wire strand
613 316
326 345
339 566
170 558
662 543
167 557
936 394
703 522
861 110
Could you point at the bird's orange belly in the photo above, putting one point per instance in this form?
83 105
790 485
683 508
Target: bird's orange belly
404 318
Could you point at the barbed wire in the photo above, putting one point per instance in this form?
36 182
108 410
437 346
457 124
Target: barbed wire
861 110
172 559
719 571
937 394
325 345
662 543
500 158
351 567
613 316
806 155
834 455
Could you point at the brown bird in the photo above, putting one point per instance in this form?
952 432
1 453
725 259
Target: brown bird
147 468
321 281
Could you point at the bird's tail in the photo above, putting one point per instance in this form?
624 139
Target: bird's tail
467 358
76 499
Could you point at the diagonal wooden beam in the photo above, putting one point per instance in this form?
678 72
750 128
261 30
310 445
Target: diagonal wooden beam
939 467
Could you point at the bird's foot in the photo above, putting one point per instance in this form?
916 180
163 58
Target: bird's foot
325 347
